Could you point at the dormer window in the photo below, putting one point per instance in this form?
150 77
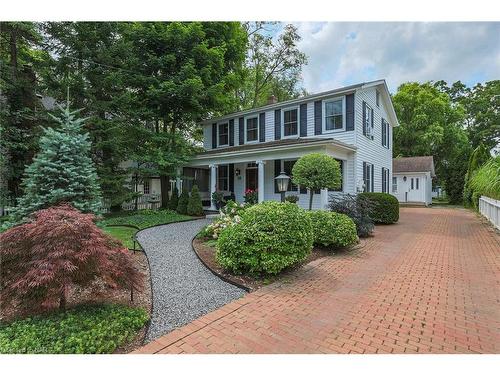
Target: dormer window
223 134
290 122
252 129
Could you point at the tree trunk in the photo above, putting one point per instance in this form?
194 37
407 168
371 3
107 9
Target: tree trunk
165 184
311 199
62 299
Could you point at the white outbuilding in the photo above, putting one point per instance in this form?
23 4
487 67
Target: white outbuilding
412 179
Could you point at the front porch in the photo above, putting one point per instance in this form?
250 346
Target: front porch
235 170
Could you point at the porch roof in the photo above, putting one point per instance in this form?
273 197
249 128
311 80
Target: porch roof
275 145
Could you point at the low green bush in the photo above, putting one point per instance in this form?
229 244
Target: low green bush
357 208
143 218
195 207
183 202
87 329
269 237
331 229
384 207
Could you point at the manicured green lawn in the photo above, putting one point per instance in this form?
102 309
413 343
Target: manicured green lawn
144 218
86 329
124 234
138 219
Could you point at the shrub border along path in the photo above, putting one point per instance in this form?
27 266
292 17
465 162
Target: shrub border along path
425 285
183 288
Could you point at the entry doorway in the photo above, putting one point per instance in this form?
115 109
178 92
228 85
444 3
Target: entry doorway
251 178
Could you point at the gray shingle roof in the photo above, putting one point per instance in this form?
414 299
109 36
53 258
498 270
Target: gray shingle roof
414 164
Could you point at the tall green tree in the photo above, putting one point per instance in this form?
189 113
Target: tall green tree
21 111
61 172
479 156
482 110
431 124
183 73
90 61
273 65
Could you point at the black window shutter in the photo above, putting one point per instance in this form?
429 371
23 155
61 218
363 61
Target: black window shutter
303 120
277 171
364 117
231 132
277 124
364 176
318 109
388 134
214 135
383 133
262 127
372 182
371 109
349 112
231 178
241 130
383 180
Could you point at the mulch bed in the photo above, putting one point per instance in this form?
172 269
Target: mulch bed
142 298
206 254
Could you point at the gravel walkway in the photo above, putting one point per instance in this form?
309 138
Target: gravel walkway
183 288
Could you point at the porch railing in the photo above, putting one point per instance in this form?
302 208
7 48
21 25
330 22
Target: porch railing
490 209
144 202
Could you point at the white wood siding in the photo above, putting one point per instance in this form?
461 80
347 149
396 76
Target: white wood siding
371 150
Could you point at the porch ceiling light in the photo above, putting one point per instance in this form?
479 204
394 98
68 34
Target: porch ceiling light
282 180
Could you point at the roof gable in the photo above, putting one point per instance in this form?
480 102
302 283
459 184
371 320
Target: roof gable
413 164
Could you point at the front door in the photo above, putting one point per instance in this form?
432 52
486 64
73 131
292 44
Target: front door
251 179
414 186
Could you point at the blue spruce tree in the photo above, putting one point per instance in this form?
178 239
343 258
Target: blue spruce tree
62 171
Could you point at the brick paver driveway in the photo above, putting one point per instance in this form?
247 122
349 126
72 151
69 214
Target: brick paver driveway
429 284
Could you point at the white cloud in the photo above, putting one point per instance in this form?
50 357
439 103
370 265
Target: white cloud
345 53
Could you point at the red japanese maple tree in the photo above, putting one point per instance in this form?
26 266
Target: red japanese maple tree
60 248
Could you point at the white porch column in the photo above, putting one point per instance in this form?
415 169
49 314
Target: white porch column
260 189
324 198
213 183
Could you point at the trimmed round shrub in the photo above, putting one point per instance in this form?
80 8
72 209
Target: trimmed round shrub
384 208
269 237
331 229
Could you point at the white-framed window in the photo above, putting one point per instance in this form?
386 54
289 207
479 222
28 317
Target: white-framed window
368 121
385 133
223 134
377 98
146 189
223 177
394 184
334 118
290 122
251 129
368 177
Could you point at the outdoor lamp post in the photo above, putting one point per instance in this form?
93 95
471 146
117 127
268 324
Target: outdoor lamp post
282 180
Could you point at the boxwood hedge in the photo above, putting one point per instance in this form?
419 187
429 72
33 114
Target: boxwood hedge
269 237
331 229
384 208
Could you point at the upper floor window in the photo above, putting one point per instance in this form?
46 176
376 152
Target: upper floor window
385 133
334 115
377 98
223 130
252 129
290 122
368 121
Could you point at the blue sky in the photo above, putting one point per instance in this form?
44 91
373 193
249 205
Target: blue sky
342 53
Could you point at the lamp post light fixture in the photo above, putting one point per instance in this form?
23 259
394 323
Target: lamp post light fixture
282 180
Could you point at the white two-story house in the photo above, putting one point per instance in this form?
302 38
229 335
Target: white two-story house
248 149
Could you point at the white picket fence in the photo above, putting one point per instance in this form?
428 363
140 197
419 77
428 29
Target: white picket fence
490 209
144 202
